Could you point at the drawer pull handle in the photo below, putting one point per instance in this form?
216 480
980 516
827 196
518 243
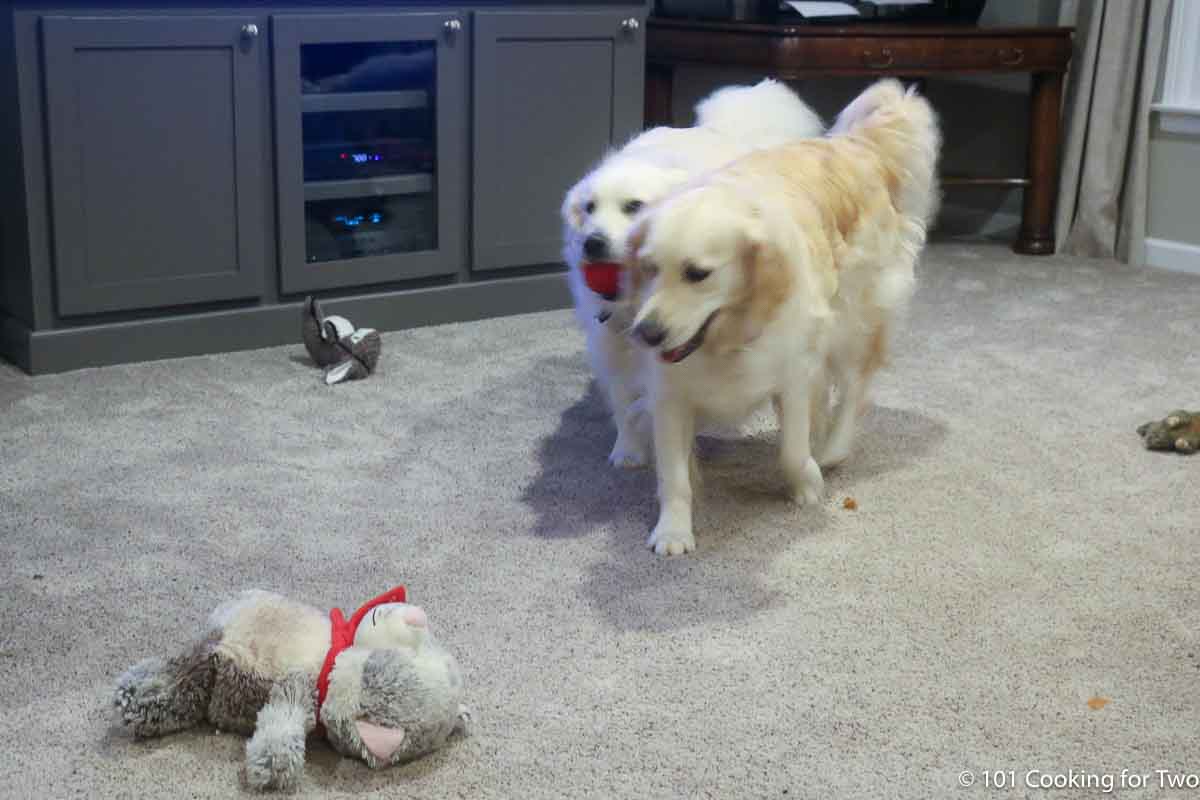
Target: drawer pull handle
452 26
630 25
886 61
249 31
1016 57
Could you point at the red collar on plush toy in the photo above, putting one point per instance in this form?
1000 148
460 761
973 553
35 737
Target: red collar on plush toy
341 636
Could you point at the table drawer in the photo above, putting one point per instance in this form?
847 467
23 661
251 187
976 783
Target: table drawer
923 55
812 53
1000 54
870 54
797 56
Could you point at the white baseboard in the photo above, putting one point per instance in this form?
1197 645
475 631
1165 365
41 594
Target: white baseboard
1175 256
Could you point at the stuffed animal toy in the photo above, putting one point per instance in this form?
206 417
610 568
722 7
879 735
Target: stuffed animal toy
347 353
1180 432
379 686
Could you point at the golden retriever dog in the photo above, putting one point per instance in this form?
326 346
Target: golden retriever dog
600 208
771 276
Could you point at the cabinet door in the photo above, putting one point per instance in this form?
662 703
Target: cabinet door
156 160
553 92
370 147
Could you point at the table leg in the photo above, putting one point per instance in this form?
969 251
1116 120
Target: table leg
660 79
1037 215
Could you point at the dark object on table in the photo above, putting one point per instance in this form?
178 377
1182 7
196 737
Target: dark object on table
1180 432
954 12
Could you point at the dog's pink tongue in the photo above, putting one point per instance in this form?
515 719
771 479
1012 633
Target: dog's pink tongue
673 356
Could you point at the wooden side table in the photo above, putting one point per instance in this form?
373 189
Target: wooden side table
795 51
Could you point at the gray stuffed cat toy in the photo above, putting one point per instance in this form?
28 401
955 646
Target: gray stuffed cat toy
378 685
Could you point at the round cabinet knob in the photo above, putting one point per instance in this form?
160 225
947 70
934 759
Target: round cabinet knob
630 25
452 25
250 30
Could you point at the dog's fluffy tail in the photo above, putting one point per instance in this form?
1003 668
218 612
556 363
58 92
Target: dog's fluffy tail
767 114
903 128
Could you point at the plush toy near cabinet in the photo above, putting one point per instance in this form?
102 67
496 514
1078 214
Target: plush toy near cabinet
347 353
379 686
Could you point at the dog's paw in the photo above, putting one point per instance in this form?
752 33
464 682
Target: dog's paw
667 540
808 485
628 455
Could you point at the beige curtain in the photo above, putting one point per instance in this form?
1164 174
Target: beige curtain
1105 159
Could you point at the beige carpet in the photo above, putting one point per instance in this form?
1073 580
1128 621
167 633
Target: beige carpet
1015 554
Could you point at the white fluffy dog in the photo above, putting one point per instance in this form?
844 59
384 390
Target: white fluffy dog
766 278
599 211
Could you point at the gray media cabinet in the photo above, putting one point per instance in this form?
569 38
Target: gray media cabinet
175 179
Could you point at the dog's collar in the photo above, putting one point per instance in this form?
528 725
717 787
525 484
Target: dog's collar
341 636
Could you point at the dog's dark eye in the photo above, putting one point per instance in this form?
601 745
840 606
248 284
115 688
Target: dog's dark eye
632 207
693 274
590 207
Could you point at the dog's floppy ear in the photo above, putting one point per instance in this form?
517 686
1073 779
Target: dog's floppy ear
572 207
636 238
768 276
632 276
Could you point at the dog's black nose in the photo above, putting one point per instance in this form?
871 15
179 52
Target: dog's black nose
650 332
595 247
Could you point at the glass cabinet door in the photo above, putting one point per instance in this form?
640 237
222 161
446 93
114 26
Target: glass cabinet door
370 116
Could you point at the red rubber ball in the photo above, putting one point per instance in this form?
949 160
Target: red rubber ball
602 277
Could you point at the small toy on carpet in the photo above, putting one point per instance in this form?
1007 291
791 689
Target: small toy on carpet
1180 431
379 686
347 353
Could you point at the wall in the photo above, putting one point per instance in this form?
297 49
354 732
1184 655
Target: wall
983 117
1173 237
1174 187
